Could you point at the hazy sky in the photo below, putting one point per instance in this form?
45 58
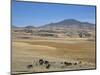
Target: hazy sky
37 14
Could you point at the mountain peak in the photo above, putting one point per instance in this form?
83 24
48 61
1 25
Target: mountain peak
69 23
30 26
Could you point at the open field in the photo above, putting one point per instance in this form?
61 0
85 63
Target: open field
60 54
52 37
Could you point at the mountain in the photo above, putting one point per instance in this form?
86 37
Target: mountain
70 23
29 27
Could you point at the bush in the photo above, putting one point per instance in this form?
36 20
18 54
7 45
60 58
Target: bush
41 61
29 66
46 62
48 66
67 63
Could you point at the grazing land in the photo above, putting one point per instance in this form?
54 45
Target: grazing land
44 49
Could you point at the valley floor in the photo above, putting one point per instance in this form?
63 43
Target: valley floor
60 54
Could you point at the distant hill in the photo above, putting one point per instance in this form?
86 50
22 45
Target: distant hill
13 26
29 27
70 23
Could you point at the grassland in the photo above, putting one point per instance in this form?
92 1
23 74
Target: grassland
79 52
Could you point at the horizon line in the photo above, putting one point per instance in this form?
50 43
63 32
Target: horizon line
52 22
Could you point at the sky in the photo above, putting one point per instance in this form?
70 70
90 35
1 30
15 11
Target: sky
37 14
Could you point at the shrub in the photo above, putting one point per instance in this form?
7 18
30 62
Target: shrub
46 62
67 63
41 61
75 63
48 66
29 66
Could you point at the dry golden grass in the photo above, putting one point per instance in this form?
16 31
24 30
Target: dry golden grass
29 51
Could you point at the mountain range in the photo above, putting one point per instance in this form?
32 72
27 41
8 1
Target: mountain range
67 23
